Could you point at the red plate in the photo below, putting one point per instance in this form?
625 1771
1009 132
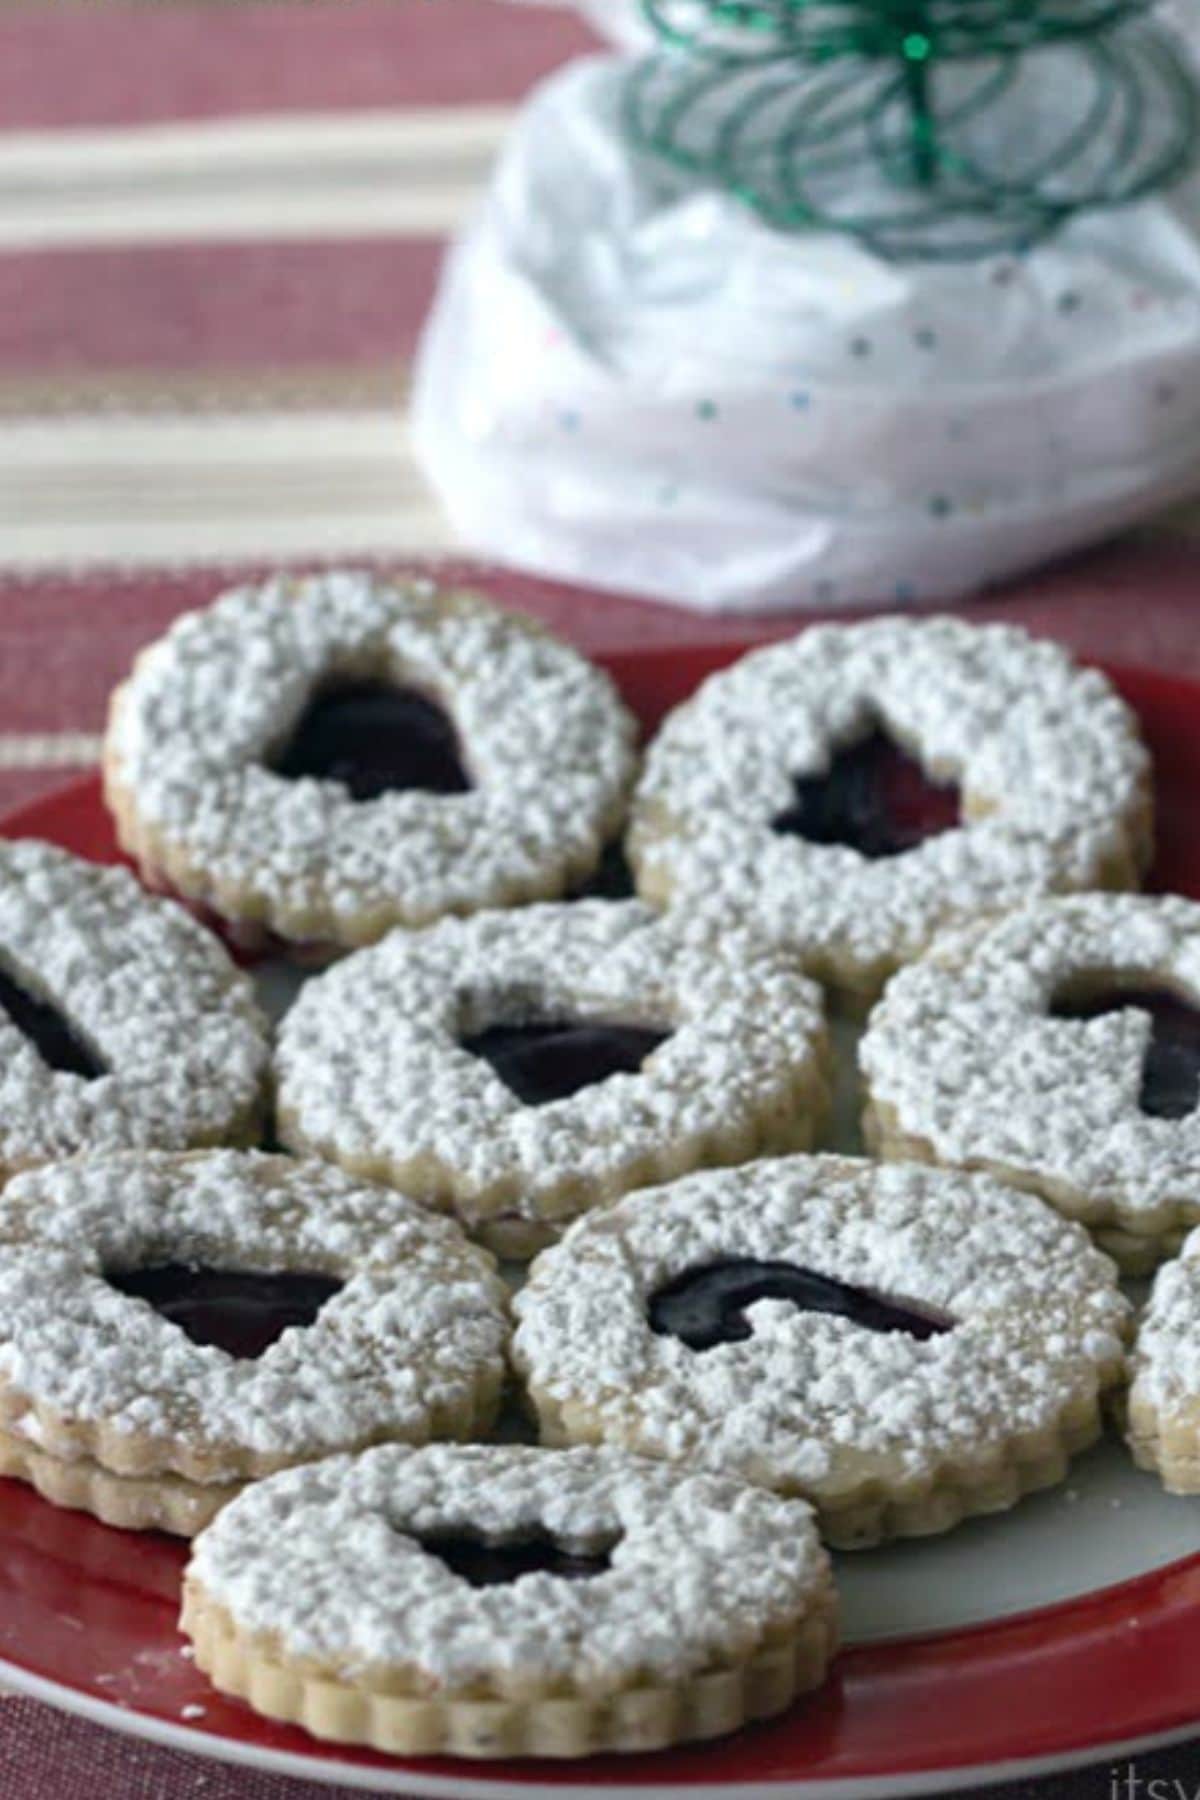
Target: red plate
87 1614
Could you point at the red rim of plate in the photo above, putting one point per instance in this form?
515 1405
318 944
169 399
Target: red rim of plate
1107 1671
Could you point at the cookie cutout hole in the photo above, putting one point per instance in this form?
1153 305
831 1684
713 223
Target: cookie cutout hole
374 739
485 1564
552 1059
240 1312
707 1306
1170 1084
874 798
52 1036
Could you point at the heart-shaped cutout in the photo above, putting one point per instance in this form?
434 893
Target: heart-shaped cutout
52 1036
553 1059
485 1564
241 1312
705 1307
874 798
375 739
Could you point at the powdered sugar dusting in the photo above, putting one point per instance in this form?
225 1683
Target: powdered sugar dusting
811 1402
547 741
370 1066
1052 773
174 1022
962 1052
417 1326
703 1568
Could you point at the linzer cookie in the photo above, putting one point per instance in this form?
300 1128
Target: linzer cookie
1164 1399
899 1345
122 1022
320 759
172 1327
522 1067
505 1601
1059 1048
850 792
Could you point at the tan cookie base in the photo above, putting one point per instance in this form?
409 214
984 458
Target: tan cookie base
384 1710
1137 1242
882 1506
159 1503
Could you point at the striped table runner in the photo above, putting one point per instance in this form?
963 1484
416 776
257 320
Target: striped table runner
220 227
219 231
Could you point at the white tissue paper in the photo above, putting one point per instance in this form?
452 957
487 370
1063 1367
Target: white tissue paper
636 384
621 21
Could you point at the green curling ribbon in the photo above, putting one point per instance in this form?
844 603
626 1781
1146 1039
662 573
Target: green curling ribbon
935 129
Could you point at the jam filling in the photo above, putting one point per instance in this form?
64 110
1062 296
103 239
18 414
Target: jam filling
875 798
491 1565
241 1313
50 1034
707 1306
553 1059
375 739
612 880
1170 1087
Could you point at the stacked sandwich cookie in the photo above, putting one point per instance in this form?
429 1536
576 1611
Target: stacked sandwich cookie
172 1327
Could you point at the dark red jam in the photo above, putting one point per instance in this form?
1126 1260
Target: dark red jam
375 739
874 798
552 1060
239 1312
707 1306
